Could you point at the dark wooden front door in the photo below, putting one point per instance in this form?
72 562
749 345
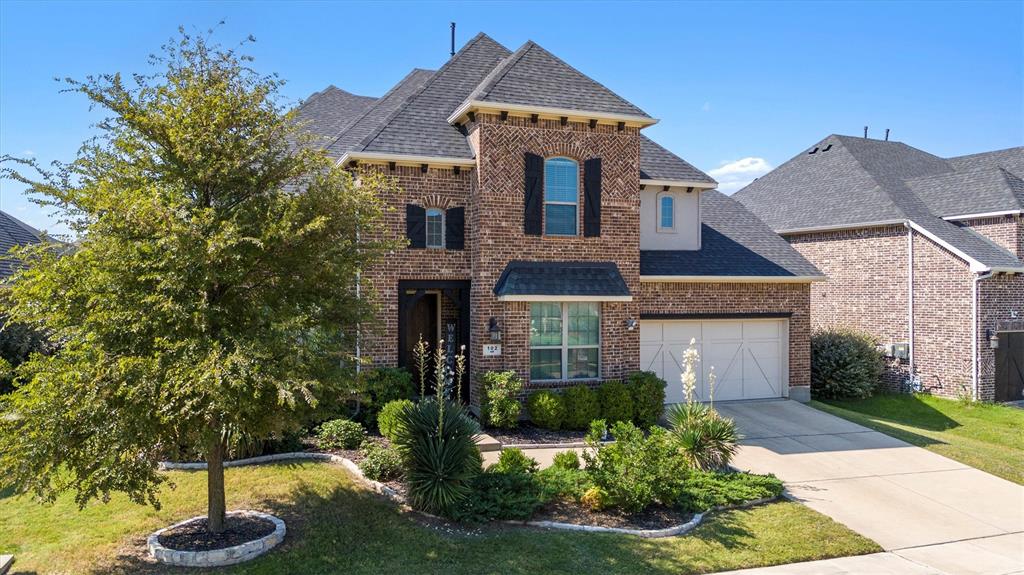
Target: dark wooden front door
1010 367
422 324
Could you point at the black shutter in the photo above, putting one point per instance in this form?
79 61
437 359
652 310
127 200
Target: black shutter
416 226
533 205
592 197
455 228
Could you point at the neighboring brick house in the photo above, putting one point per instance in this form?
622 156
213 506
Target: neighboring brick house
551 237
926 253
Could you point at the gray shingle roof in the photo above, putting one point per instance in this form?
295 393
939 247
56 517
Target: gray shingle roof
849 181
561 278
657 163
331 111
14 232
532 76
734 242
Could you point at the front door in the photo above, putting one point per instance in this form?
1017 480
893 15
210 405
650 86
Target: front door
1010 366
422 324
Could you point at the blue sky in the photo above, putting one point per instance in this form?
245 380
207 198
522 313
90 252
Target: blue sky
739 87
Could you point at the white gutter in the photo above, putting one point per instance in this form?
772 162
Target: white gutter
983 215
976 266
699 186
910 297
974 333
465 107
733 279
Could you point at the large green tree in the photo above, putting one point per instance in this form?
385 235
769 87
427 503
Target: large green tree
210 293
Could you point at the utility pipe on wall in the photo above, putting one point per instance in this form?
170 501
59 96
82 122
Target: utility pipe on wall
910 299
974 332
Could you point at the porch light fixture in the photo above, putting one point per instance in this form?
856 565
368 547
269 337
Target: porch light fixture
631 324
493 329
993 339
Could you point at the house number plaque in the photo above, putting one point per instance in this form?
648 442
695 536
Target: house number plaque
492 349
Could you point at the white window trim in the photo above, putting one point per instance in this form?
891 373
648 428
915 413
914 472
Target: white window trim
661 229
565 347
426 228
576 204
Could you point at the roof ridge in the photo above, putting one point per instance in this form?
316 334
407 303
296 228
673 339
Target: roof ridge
362 145
1015 183
990 152
879 186
503 67
377 103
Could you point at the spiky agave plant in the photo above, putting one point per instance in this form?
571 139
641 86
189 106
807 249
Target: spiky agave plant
706 439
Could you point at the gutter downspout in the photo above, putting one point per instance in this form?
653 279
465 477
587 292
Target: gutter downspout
974 332
910 301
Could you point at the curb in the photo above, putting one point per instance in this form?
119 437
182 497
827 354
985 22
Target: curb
217 557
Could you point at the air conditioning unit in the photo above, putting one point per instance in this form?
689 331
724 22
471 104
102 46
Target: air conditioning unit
901 350
886 349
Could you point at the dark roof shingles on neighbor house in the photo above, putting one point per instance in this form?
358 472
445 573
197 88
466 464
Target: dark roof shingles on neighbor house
850 181
657 163
331 111
599 279
734 242
14 232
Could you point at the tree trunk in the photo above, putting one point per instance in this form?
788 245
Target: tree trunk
216 506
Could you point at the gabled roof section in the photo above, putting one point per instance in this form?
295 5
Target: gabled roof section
420 127
534 77
659 164
14 232
332 110
734 244
844 181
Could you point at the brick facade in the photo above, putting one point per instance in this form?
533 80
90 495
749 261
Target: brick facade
1000 299
1007 231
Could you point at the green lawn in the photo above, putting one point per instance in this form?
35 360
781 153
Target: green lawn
335 526
986 436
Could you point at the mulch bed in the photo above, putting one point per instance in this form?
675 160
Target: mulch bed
655 517
192 536
528 433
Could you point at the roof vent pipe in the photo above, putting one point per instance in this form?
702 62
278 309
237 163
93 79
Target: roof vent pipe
865 132
887 134
453 41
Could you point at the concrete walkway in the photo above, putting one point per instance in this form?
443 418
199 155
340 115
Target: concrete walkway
931 514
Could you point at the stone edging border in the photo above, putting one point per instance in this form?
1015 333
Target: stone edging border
394 496
217 557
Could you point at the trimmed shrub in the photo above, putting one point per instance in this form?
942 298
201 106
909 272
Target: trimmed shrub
341 434
707 439
384 385
581 406
598 431
566 460
500 407
648 392
704 490
616 402
439 454
546 409
389 417
499 496
513 460
844 364
381 463
560 483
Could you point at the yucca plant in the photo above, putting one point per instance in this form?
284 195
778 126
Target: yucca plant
705 438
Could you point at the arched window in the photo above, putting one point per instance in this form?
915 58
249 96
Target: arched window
561 196
435 228
666 212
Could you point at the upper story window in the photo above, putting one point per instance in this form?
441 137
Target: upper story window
435 228
666 213
561 196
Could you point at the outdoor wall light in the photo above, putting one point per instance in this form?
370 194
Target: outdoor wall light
993 339
493 329
631 324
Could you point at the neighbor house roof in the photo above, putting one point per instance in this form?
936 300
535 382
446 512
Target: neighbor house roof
412 118
734 243
14 232
844 181
598 281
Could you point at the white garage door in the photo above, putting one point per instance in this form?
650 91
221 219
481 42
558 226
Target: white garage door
750 357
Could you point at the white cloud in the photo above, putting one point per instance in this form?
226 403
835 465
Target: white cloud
28 153
734 175
706 107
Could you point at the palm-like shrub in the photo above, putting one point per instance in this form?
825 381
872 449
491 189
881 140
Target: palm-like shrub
435 439
707 439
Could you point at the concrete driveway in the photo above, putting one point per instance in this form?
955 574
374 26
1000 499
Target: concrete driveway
927 511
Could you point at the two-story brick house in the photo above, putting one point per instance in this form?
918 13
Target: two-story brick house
926 253
551 237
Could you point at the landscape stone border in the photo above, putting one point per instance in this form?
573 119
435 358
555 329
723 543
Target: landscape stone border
217 557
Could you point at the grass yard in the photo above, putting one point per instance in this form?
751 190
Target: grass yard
336 526
989 437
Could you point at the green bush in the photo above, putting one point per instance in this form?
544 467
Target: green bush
381 463
560 483
707 439
616 402
844 364
384 385
17 342
439 454
581 407
648 392
341 434
703 490
390 417
598 431
513 460
636 471
498 496
566 460
500 407
546 409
